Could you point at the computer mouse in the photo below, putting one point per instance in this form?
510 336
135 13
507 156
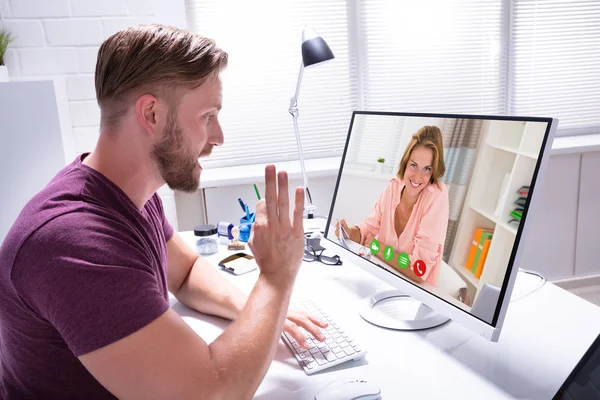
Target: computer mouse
350 390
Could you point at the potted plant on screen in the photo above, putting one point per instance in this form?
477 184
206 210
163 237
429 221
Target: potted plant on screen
379 166
5 39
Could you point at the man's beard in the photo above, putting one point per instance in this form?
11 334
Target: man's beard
176 160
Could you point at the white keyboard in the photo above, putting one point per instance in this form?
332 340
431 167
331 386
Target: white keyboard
338 347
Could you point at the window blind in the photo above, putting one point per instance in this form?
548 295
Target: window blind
433 56
555 62
263 40
373 137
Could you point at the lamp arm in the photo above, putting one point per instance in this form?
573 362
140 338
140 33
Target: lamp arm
297 93
293 110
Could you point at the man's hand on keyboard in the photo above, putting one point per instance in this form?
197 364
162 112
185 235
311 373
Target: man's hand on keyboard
312 325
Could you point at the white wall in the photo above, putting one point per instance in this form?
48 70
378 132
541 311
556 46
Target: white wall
222 204
31 150
59 39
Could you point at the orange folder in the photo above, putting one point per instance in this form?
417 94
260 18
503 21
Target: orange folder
473 251
482 257
474 245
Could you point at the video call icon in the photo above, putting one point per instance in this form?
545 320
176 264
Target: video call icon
375 246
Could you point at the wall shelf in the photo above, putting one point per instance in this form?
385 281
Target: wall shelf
468 275
506 159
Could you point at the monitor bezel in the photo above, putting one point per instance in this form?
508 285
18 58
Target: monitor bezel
490 331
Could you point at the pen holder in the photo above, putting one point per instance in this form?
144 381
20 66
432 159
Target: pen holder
245 228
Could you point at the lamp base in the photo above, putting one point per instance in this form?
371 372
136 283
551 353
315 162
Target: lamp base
315 224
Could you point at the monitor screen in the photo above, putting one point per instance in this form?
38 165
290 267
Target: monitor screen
438 200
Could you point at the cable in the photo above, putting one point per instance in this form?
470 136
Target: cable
541 283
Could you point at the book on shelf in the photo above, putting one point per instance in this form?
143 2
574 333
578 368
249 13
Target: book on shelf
521 201
523 191
478 240
482 257
484 235
517 213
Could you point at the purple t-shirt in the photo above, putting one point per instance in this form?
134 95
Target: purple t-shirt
81 268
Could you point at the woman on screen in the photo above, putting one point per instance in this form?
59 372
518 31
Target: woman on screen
411 215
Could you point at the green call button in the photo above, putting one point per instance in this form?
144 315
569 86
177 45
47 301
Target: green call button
375 246
388 253
403 260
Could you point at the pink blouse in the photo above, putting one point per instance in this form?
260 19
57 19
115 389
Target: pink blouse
425 232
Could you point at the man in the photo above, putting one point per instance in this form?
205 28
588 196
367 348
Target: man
84 271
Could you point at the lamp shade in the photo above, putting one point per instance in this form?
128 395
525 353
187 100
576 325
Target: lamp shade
314 48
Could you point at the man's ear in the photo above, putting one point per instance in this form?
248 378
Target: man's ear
151 114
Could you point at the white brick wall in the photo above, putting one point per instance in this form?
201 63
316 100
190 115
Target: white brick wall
59 39
81 87
26 33
60 32
39 9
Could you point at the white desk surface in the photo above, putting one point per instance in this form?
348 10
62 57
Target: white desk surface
544 336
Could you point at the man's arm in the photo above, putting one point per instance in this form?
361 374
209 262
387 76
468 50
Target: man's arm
198 285
167 359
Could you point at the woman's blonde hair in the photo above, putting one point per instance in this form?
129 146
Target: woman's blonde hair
429 137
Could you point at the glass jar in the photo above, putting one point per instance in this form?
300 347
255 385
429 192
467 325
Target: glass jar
206 239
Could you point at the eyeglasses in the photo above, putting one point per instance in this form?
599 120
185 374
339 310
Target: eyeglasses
310 255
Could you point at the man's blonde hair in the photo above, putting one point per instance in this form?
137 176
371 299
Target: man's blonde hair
155 59
429 137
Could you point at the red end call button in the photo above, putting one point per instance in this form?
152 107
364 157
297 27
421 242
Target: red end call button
420 267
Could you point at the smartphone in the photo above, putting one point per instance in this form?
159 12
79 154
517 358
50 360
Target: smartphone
238 263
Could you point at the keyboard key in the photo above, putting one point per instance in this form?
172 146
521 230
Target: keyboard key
320 358
349 350
336 347
310 364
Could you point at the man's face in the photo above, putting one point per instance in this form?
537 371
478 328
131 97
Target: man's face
190 133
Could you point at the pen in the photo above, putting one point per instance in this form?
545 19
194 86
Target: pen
256 190
247 213
242 204
344 233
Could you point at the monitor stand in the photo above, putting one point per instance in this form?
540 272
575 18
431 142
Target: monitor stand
396 310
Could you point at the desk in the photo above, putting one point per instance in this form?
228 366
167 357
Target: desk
544 335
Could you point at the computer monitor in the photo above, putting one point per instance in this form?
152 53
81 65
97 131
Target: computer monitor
437 206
